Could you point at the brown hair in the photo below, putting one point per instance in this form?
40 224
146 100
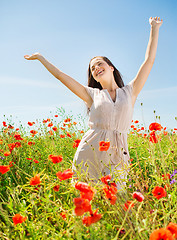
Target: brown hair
94 84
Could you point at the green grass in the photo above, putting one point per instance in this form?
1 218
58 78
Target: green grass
43 206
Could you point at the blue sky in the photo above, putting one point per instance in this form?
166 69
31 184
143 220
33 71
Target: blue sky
68 34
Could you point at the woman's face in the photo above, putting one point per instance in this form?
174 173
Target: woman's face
100 69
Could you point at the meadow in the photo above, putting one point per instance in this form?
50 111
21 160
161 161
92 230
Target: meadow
39 201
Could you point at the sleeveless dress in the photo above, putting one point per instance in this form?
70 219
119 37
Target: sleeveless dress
108 121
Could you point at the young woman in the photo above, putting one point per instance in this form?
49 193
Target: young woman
110 106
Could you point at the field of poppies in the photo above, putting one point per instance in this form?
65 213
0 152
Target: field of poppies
39 201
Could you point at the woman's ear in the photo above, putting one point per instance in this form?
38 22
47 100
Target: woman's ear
112 68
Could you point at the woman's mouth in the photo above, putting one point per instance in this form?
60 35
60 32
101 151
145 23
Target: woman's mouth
100 72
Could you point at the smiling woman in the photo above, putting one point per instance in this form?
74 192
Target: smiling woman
110 106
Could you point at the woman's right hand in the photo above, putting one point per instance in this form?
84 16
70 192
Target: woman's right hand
33 56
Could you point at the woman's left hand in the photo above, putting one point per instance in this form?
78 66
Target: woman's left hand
155 21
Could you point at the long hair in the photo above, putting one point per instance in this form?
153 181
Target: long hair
94 84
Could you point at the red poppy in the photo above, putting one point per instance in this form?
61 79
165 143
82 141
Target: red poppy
4 124
18 219
31 143
69 135
76 143
18 144
104 146
55 129
33 132
106 179
50 132
153 137
65 174
62 135
36 161
44 121
6 154
161 234
138 196
166 176
56 188
172 227
11 146
63 215
159 192
50 124
55 158
128 204
82 206
35 180
110 192
17 136
67 120
74 123
136 121
30 123
4 169
88 220
86 191
56 115
155 126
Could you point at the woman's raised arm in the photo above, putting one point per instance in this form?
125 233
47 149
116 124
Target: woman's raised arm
69 82
146 67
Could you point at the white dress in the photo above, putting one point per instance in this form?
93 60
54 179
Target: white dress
108 121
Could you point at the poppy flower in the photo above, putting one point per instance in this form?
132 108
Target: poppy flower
31 143
86 191
50 124
56 115
136 121
128 204
159 192
11 146
6 154
4 169
106 179
30 123
104 146
172 227
35 180
67 120
88 220
18 219
55 129
153 137
63 215
55 158
138 196
36 161
82 206
161 234
50 132
4 124
65 174
69 135
110 192
166 176
17 136
76 143
155 126
56 188
62 135
33 132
